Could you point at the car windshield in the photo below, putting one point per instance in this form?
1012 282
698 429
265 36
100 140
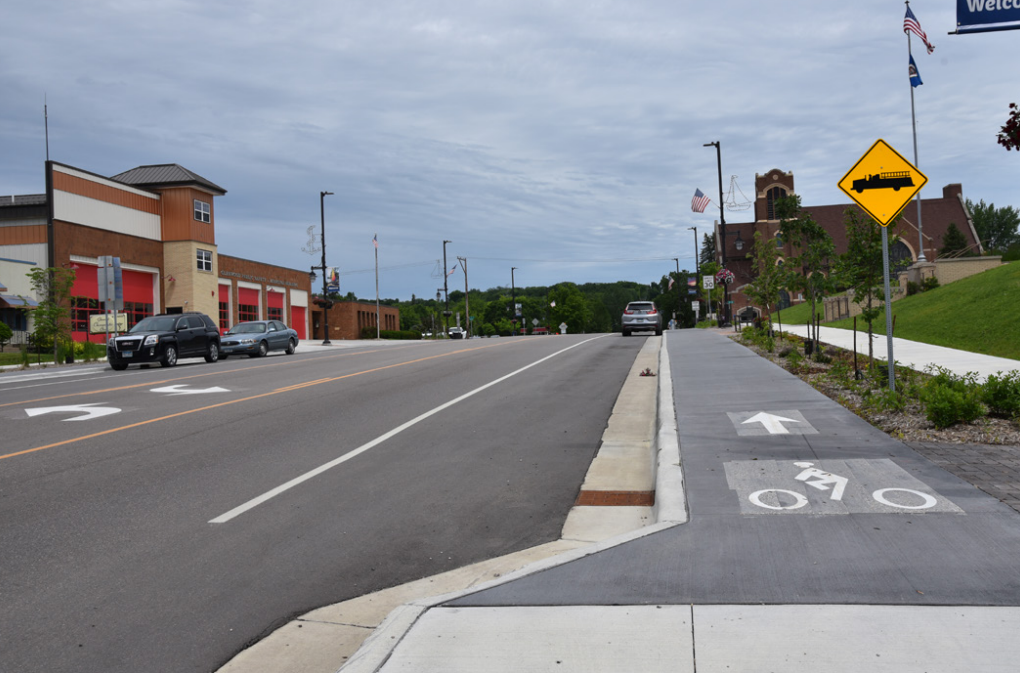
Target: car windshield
155 324
248 328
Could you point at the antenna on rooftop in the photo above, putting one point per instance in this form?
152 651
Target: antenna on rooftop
46 124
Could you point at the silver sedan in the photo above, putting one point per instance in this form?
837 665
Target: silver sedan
256 338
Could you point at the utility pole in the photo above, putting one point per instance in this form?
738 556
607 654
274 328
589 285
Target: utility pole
722 230
467 305
446 294
697 262
327 304
513 301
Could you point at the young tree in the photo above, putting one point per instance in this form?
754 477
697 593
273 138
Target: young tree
768 281
808 269
5 334
52 317
998 228
860 268
954 243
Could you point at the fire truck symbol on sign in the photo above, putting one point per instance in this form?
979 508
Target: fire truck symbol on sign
882 182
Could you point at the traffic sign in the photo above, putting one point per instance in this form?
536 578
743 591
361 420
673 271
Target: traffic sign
882 182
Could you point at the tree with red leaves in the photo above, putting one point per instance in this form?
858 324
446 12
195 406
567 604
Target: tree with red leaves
1009 136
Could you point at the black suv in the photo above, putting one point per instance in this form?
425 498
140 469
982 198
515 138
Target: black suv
164 338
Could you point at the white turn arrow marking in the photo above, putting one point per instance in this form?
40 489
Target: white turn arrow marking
772 423
182 389
90 410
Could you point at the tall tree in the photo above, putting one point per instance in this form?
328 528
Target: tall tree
808 269
998 228
707 255
1009 134
954 243
571 308
860 268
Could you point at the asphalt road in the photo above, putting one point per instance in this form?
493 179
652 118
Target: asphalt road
214 502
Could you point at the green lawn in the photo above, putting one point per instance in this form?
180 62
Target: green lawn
980 314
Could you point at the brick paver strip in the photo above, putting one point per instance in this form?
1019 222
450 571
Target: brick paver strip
616 498
993 469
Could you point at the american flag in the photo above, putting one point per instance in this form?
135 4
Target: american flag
375 241
911 24
699 202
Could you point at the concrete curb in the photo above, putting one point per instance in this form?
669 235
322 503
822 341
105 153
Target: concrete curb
670 510
588 530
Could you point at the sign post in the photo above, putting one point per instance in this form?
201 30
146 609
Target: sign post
882 183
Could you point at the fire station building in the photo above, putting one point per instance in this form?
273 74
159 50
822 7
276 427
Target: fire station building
160 221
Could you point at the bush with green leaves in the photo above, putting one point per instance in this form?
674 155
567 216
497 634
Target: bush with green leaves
5 334
950 399
1001 394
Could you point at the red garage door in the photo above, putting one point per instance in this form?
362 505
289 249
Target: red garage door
138 301
298 320
274 305
247 304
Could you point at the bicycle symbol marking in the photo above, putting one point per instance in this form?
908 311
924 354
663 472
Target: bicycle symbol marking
873 487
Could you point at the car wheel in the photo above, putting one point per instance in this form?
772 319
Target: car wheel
212 354
118 366
169 356
626 333
291 347
263 349
658 332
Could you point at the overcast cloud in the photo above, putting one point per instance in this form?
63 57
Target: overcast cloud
561 137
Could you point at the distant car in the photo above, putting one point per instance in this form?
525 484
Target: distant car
641 316
256 338
457 333
164 338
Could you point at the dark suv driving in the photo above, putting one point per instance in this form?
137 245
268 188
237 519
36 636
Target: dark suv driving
164 338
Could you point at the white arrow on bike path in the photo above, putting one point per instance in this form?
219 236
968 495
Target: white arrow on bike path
182 389
90 411
758 423
772 422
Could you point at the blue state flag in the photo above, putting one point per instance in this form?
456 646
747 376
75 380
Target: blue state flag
915 77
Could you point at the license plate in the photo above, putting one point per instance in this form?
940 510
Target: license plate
127 354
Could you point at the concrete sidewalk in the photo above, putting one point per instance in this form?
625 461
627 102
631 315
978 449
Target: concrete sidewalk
913 354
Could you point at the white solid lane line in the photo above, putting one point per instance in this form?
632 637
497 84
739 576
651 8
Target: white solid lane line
268 495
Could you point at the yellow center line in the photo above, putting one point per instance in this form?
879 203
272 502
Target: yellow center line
243 399
179 378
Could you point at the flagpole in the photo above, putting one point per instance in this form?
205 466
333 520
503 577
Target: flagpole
376 246
913 124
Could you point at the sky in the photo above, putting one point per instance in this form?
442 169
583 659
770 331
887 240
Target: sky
561 137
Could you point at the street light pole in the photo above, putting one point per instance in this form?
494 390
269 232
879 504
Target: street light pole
327 304
697 261
513 301
446 294
676 317
722 229
467 303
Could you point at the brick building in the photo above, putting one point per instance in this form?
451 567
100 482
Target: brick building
160 221
936 216
348 318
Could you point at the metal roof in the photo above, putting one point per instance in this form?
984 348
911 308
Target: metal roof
166 175
23 200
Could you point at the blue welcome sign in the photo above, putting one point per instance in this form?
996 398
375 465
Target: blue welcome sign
982 16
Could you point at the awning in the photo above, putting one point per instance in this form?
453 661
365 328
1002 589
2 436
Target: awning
15 300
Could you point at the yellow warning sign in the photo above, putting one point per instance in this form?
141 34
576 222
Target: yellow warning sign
882 182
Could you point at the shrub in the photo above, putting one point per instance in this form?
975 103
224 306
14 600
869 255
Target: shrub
930 283
950 399
1001 393
912 288
884 399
